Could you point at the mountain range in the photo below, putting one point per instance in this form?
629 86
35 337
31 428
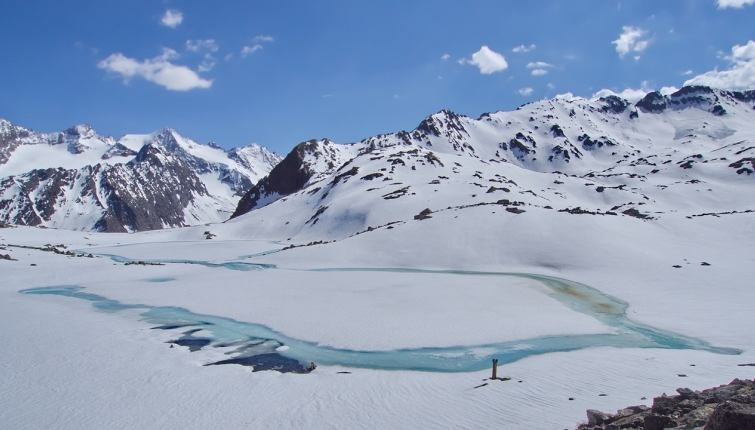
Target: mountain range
79 180
690 152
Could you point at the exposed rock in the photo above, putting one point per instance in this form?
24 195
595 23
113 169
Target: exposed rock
658 422
425 214
637 214
727 407
596 417
699 417
143 263
633 421
652 102
159 186
732 415
614 104
291 174
118 150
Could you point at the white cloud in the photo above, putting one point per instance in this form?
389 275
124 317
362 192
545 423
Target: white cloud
538 65
258 39
688 72
249 50
539 72
172 18
723 4
487 60
739 76
629 41
567 96
228 57
207 64
202 45
522 48
158 70
525 91
551 86
445 57
632 95
668 90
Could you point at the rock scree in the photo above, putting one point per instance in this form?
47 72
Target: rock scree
727 407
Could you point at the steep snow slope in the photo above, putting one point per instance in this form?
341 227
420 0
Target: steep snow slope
77 179
692 152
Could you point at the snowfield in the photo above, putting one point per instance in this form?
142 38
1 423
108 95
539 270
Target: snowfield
616 270
71 365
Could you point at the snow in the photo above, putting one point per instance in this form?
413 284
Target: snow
81 148
42 156
65 362
621 256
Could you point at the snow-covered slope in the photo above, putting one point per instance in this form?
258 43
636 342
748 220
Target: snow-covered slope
653 209
691 152
77 179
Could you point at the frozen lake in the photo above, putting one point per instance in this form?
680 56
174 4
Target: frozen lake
242 340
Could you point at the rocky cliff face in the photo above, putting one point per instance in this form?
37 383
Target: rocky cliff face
308 161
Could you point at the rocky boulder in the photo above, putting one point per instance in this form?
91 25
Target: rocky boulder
727 407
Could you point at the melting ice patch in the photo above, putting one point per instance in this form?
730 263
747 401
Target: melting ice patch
263 348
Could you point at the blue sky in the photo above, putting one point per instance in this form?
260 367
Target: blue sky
281 72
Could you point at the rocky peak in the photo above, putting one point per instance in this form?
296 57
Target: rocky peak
5 126
82 131
289 176
695 95
441 123
613 104
652 102
244 154
167 139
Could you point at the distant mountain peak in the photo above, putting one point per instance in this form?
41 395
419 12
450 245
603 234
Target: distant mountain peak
140 182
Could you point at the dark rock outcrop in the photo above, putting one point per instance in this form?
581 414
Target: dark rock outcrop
652 102
287 177
614 104
727 407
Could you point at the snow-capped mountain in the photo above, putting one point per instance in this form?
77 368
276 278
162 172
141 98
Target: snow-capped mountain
77 179
691 152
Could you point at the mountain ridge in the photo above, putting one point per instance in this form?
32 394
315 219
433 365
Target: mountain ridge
325 190
582 157
77 179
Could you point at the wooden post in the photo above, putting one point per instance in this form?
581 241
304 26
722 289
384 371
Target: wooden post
495 369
